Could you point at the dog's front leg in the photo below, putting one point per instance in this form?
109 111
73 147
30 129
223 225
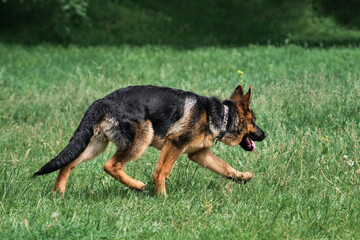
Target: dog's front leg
169 154
208 160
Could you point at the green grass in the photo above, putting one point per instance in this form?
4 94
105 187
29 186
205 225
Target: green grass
307 101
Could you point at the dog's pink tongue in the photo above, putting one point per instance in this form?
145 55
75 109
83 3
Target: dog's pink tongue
252 146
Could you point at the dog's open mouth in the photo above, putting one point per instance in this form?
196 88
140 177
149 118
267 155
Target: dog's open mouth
247 143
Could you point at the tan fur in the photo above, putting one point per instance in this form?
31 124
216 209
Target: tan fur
115 166
157 142
233 140
183 122
168 156
202 140
96 146
208 160
238 93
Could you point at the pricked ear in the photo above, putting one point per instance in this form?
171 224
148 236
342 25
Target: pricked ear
247 98
238 93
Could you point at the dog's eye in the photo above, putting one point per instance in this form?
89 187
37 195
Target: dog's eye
253 122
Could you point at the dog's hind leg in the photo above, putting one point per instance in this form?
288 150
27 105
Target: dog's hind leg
96 146
115 166
208 160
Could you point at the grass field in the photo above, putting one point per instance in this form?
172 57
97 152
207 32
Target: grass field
307 101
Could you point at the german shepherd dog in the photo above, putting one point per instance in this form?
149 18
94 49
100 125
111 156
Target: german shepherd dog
171 120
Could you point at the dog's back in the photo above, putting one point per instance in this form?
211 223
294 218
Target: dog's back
161 105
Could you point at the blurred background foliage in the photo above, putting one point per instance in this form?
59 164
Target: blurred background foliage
181 23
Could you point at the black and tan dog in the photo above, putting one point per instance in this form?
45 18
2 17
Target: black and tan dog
171 120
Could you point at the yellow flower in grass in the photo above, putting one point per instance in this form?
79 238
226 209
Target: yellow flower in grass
241 76
325 139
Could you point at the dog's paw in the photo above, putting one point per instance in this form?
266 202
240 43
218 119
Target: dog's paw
248 176
139 186
244 177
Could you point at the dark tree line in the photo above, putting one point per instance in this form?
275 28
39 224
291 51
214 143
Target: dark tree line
178 22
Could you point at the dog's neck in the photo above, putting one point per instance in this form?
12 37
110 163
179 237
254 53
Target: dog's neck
222 117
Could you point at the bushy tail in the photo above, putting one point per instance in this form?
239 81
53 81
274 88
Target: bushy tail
79 140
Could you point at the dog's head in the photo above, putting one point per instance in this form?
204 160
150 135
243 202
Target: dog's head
246 131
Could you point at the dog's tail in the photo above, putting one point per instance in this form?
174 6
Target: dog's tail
79 140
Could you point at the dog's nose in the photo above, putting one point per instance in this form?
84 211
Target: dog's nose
264 135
